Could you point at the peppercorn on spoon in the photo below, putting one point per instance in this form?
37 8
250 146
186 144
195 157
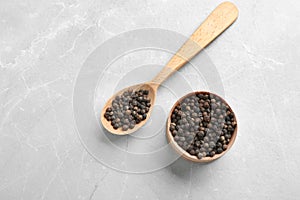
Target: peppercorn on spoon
217 22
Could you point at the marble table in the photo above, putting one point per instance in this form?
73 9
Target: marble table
50 150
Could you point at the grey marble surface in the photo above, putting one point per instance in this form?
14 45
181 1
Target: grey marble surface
43 45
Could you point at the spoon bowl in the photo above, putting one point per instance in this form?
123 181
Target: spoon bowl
152 96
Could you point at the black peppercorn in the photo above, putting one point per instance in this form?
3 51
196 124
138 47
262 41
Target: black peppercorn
128 109
202 124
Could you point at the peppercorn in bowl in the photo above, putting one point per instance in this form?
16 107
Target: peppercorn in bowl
201 126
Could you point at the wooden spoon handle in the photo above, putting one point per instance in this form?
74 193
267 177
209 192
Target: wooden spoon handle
217 22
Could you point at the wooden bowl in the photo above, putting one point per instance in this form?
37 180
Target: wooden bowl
181 151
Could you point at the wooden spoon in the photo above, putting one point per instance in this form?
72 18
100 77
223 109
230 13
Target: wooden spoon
217 22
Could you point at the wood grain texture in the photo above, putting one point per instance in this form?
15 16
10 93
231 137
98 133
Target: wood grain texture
217 22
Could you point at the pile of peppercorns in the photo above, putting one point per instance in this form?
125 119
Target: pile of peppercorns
202 124
128 109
